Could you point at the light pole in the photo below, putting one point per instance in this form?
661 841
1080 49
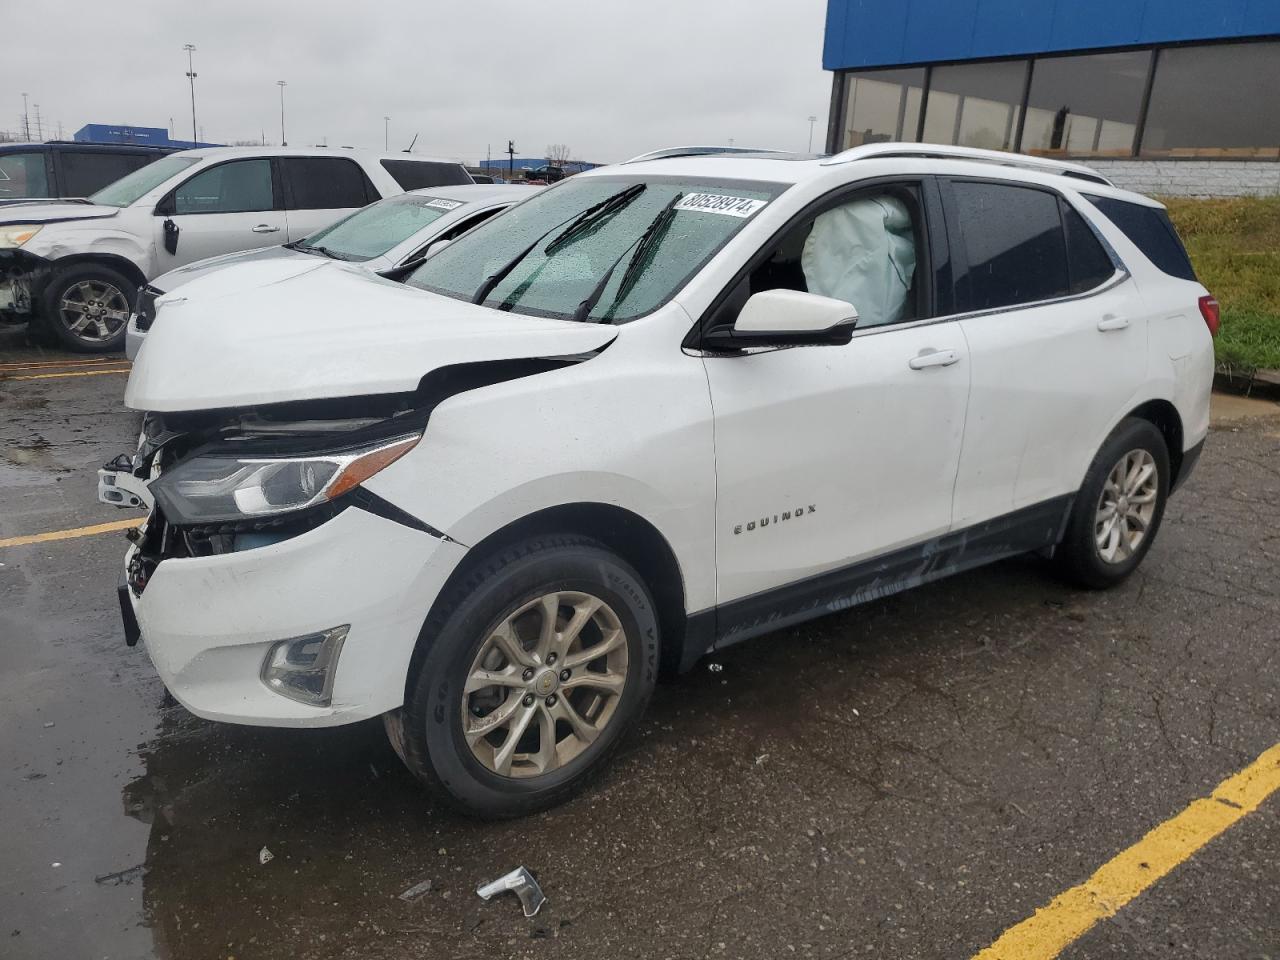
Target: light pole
281 84
26 119
812 121
386 133
191 76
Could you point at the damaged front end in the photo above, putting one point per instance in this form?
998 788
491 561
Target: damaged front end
222 482
22 275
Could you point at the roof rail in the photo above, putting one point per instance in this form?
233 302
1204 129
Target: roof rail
669 152
868 151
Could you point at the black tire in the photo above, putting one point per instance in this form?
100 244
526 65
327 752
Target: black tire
1079 557
104 333
427 732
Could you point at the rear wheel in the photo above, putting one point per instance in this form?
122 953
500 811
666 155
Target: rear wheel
537 668
87 307
1118 510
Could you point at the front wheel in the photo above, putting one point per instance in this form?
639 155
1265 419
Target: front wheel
536 668
1118 510
87 307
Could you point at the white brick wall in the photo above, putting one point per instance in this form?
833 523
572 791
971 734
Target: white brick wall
1193 178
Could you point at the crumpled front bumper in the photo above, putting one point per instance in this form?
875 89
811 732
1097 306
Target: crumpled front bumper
208 622
22 276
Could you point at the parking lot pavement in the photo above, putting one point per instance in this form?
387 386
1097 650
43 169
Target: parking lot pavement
908 779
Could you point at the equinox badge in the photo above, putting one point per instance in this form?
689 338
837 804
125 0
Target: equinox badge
776 518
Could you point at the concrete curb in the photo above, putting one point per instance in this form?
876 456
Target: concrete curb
1261 383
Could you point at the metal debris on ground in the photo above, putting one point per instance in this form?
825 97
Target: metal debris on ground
716 667
417 890
520 882
265 855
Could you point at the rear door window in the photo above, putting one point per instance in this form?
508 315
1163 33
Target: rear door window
240 186
1012 239
85 172
23 175
325 183
1089 263
1151 231
418 174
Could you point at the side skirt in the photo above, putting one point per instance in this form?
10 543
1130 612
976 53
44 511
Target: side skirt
1023 531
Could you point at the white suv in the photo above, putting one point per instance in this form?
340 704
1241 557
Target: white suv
77 266
660 408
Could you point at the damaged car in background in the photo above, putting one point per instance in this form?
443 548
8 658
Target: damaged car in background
659 408
72 271
389 238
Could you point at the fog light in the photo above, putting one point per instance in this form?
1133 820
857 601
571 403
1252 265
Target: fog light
302 668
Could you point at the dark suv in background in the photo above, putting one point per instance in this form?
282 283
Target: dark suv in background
39 171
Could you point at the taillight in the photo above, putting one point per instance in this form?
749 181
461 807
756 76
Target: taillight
1210 311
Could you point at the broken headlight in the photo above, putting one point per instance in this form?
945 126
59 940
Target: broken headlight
218 486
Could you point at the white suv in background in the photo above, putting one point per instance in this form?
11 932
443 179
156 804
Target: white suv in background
77 267
657 409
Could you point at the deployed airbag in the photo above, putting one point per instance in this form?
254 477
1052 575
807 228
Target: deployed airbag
863 252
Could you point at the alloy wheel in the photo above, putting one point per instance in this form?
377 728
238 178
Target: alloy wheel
1126 506
545 684
93 310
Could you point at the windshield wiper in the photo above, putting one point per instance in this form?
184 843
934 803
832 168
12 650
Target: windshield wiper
609 204
326 251
644 246
594 215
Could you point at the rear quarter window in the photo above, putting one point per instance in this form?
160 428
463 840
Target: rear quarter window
417 174
1151 231
86 172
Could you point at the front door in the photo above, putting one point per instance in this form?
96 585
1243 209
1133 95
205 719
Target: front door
828 455
222 209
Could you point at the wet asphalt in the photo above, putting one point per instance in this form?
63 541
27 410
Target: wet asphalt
907 779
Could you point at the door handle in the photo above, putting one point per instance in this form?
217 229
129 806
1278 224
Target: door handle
265 228
934 358
1111 322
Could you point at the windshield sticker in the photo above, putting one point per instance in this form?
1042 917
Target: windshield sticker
441 204
741 207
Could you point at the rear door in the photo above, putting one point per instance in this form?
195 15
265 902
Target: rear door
320 190
221 209
1057 338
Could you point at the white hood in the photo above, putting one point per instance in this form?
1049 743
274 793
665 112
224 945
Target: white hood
54 212
283 330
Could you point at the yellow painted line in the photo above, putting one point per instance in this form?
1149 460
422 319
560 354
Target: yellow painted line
1052 928
73 533
54 376
28 364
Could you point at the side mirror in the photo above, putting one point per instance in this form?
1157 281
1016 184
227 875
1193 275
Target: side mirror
790 317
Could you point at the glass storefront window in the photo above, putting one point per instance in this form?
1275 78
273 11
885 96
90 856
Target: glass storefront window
1085 105
975 104
881 105
1217 100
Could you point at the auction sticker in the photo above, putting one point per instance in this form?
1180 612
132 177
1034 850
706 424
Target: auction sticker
741 207
442 204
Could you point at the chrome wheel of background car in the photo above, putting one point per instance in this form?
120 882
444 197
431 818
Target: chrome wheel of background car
1127 506
545 684
93 310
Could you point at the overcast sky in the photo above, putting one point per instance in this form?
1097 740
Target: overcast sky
609 78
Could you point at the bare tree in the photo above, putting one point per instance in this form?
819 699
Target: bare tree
558 154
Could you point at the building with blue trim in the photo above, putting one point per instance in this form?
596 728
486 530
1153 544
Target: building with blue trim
123 133
1132 86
